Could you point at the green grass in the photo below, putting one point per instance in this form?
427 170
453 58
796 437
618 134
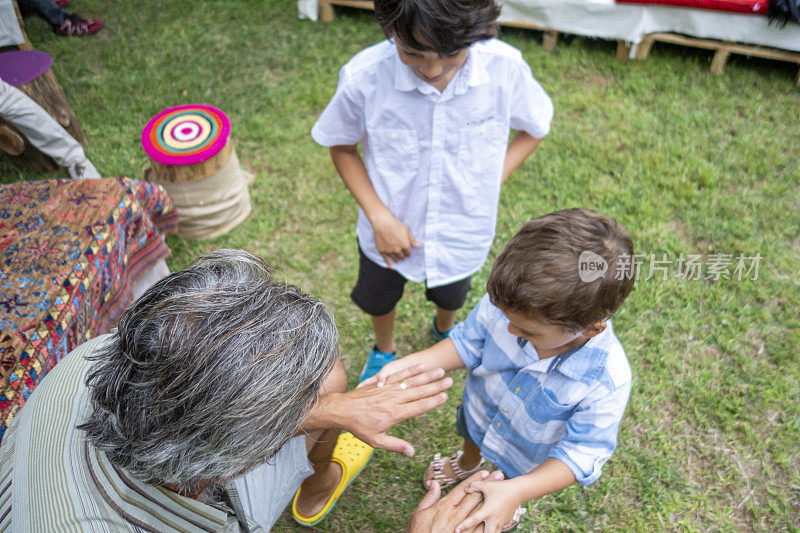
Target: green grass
689 162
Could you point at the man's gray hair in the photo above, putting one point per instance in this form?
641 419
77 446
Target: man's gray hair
210 372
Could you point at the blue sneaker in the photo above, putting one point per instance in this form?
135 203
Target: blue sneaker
438 335
375 362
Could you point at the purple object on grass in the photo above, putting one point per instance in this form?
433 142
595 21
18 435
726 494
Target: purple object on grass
21 66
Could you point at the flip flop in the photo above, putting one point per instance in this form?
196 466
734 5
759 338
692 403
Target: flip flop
352 455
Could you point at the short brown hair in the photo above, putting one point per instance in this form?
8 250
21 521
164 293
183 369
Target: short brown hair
445 25
538 272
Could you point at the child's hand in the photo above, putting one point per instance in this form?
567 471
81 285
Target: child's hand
393 239
500 501
388 369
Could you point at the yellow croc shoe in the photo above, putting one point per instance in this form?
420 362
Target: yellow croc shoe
352 455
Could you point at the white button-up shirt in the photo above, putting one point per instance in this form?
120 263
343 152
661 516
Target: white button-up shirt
435 159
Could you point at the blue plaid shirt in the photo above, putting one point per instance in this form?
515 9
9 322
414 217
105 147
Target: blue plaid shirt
520 410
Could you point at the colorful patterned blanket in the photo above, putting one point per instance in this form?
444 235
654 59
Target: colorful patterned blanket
70 252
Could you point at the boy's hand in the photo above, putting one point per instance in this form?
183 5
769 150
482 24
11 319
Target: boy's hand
388 369
500 501
393 239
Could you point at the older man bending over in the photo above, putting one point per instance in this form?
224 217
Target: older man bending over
217 377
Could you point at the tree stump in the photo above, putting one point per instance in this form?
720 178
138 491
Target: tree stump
46 92
11 142
192 158
21 152
161 173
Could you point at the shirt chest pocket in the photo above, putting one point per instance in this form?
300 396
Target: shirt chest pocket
481 150
396 154
544 406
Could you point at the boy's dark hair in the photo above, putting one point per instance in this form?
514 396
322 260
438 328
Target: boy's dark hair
445 26
539 272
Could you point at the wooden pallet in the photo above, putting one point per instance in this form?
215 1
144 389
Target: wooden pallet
723 49
326 13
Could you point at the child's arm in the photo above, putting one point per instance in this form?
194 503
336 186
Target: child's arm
443 355
589 440
501 498
521 146
392 238
464 347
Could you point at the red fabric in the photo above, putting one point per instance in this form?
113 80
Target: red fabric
69 253
736 6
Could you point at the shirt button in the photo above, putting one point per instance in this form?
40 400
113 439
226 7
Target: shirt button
434 181
505 410
393 136
499 425
437 144
517 389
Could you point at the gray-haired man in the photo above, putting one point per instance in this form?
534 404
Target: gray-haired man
206 385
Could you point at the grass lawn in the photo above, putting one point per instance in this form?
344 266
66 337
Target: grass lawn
689 162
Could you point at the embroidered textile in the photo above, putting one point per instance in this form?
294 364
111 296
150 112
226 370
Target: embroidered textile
70 251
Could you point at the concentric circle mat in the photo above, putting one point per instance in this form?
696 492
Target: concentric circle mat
186 134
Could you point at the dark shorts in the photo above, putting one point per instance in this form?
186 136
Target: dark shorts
378 289
461 424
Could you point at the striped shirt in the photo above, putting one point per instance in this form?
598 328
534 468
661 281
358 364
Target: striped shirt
52 479
521 410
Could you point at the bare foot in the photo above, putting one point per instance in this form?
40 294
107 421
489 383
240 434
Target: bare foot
317 489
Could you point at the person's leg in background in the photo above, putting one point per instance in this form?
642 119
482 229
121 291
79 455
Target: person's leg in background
63 23
43 132
46 9
377 291
448 300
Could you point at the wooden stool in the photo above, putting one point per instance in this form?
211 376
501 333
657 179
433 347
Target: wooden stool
193 159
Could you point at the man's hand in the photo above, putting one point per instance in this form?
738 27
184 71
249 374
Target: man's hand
369 412
435 514
393 239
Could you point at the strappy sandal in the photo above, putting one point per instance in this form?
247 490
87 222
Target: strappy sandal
435 470
512 525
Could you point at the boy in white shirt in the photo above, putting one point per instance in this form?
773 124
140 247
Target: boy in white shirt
432 107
